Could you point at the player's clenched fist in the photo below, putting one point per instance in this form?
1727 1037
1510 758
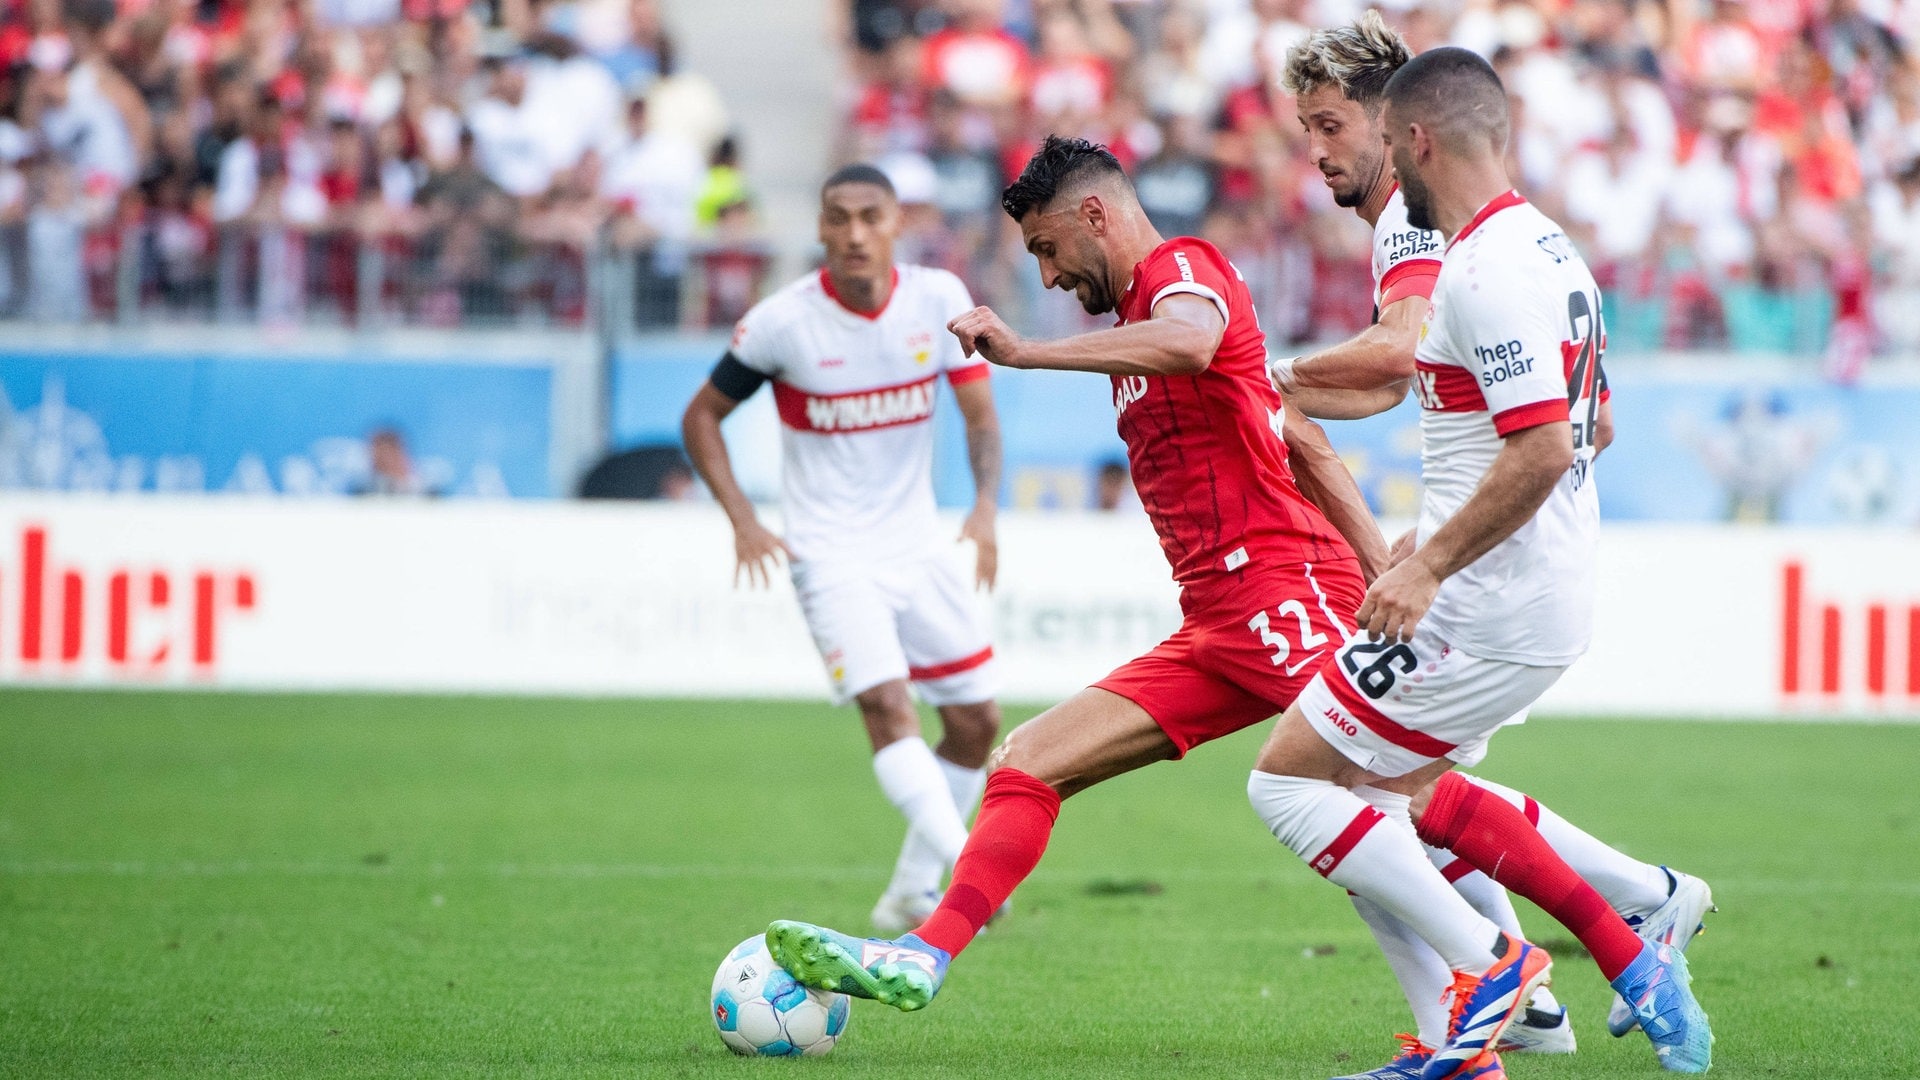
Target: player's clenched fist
981 331
1397 601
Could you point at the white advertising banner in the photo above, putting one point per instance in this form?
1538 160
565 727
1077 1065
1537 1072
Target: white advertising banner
639 600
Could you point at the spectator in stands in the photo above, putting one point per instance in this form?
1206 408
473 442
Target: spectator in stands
1113 488
389 467
1176 185
1614 195
653 181
1896 224
975 58
891 113
1741 167
644 54
56 230
507 132
725 185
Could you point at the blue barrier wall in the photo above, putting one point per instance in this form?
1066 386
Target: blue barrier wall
81 420
1696 440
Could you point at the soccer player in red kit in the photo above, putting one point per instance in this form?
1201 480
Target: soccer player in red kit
1244 496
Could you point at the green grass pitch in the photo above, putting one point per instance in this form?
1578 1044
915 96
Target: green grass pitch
239 885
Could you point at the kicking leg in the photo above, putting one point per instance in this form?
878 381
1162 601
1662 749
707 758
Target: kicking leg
1092 736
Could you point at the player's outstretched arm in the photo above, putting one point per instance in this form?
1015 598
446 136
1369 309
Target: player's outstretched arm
1376 357
1324 404
975 399
1530 463
1179 339
1325 481
756 549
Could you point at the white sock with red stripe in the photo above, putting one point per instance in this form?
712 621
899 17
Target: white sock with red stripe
911 777
919 869
1628 885
1335 831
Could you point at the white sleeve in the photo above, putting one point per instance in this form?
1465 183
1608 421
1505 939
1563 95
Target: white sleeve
759 340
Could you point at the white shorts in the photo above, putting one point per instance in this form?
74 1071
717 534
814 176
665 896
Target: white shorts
1393 708
917 620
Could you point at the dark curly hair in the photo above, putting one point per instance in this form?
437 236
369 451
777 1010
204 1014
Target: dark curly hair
1058 161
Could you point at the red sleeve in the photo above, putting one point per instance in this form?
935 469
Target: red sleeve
1522 417
1413 277
1191 266
965 375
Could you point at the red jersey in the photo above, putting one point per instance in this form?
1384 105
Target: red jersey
1205 450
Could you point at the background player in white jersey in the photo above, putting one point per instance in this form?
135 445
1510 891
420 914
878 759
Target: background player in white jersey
1338 78
854 353
1496 599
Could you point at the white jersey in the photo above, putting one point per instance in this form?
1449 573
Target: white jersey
1405 259
855 393
1514 340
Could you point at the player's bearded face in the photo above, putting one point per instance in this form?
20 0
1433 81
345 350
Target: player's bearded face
1088 280
1344 143
1413 189
1070 258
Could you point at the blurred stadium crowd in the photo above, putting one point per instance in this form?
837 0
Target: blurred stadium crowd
1743 174
432 160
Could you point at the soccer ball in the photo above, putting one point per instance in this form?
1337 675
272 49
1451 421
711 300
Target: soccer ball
759 1009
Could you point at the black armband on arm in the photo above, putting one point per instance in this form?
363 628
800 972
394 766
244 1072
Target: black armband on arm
735 379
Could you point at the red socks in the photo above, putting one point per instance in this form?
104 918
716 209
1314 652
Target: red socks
1498 840
1007 840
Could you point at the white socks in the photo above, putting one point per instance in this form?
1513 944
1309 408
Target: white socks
935 796
1344 840
1488 897
964 784
1628 885
1422 975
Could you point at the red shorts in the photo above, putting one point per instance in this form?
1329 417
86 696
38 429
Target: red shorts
1243 653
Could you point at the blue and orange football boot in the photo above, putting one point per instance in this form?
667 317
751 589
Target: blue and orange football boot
1484 1005
904 973
1406 1065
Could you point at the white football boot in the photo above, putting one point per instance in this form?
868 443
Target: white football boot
897 913
1543 1027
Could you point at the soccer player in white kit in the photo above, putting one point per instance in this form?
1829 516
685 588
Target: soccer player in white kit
855 353
1338 77
1496 598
